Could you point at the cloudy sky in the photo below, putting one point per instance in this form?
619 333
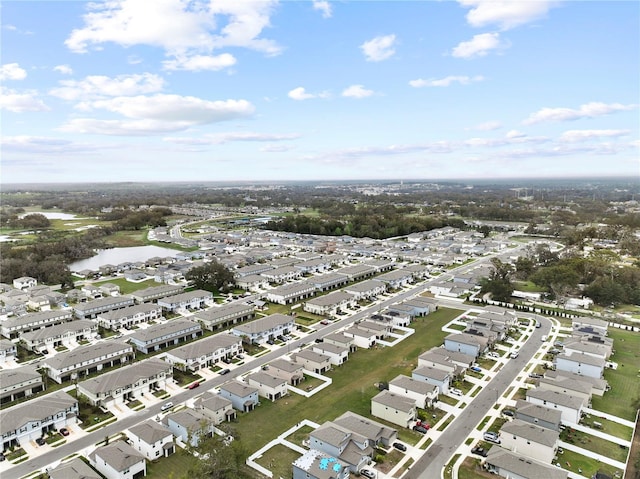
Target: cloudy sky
133 90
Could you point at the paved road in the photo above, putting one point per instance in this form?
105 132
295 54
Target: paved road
430 465
45 459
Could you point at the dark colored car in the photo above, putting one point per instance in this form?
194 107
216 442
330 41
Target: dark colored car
2 458
40 441
480 451
420 429
64 431
399 446
224 371
508 412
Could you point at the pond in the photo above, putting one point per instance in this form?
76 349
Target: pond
116 256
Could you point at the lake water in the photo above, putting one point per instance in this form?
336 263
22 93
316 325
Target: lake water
51 215
121 255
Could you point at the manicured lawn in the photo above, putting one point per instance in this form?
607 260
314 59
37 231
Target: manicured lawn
610 427
583 465
353 385
624 398
173 467
594 444
127 287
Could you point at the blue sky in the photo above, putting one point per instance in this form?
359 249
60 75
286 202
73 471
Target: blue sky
132 90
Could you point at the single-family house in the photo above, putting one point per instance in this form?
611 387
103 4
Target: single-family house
243 397
599 326
189 426
580 363
531 440
537 414
312 361
380 329
8 350
422 393
340 339
469 344
348 446
591 346
569 406
375 432
437 377
362 338
510 465
152 439
76 468
314 464
394 408
337 354
269 386
570 386
24 282
290 371
119 460
217 408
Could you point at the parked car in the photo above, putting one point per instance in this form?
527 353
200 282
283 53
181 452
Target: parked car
420 429
194 385
480 451
324 321
399 446
64 431
514 354
224 371
491 437
367 473
508 412
476 369
40 441
455 392
2 458
535 375
166 406
493 355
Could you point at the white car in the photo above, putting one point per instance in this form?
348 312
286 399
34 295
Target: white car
166 406
455 392
491 437
514 354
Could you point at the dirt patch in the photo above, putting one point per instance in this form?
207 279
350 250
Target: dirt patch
633 466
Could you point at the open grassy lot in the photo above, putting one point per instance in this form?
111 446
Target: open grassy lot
278 460
173 467
353 385
624 398
127 287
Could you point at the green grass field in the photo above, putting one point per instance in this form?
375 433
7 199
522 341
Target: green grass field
624 398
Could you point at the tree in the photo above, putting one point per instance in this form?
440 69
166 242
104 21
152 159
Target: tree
498 284
218 458
212 276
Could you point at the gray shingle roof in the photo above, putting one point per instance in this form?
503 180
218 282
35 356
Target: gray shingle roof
35 410
118 455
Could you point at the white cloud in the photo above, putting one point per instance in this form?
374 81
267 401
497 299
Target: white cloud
301 94
323 6
357 91
588 110
506 14
99 86
63 69
21 102
175 108
276 148
180 27
379 48
122 127
447 81
42 145
511 134
479 46
12 71
200 62
223 138
573 136
487 126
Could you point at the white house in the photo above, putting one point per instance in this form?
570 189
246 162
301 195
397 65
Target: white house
569 406
580 363
119 461
421 392
151 439
362 338
510 465
290 371
269 386
530 440
217 408
204 352
312 361
466 343
24 282
243 397
265 329
189 425
394 408
434 376
337 354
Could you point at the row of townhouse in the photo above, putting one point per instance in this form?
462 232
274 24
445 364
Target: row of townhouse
189 301
31 420
57 335
86 360
204 352
19 383
130 316
165 335
13 327
92 309
127 383
218 317
265 329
